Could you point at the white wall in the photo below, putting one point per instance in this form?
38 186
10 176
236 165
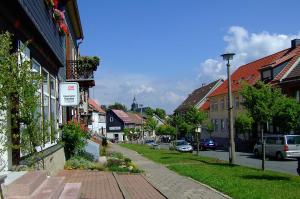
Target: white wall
98 121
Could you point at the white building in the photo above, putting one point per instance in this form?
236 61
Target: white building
97 120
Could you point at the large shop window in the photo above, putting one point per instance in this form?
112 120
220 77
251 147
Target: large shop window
49 108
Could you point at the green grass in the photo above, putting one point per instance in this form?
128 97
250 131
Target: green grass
235 181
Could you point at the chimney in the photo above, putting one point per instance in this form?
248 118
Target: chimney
295 43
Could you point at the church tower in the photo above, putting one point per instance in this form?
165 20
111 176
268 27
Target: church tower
134 105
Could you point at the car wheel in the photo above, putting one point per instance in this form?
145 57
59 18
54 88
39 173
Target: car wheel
279 156
256 153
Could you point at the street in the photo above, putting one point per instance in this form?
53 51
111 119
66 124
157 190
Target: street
248 159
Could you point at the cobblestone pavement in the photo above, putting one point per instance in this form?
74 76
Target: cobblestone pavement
169 183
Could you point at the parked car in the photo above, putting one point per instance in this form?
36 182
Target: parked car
150 142
208 143
279 146
181 146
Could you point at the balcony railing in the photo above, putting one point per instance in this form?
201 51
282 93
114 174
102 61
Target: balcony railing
80 72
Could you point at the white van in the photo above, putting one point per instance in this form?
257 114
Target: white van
280 146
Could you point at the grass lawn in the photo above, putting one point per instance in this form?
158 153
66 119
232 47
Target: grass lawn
235 181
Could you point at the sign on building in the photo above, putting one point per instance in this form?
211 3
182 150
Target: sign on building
69 94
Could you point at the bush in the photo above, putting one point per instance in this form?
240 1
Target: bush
114 162
74 139
104 142
78 162
103 151
127 161
117 155
86 155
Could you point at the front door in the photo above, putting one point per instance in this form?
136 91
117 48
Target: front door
116 137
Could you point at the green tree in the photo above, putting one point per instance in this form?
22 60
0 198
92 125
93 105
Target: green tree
118 106
195 118
166 129
161 113
209 126
243 124
19 102
149 111
151 125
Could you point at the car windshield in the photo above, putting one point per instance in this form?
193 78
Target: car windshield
178 143
293 139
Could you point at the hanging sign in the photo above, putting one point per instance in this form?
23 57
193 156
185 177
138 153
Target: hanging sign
69 93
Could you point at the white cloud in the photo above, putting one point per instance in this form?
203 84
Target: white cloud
171 97
140 89
247 47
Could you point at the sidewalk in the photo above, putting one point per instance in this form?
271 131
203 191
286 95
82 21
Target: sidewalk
171 184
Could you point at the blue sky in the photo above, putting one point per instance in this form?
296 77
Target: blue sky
161 50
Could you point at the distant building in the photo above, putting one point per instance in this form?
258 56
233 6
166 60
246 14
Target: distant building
97 118
118 120
198 98
134 105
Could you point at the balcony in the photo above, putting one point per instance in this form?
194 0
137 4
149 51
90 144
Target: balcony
81 72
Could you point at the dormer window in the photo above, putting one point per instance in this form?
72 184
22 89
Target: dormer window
266 75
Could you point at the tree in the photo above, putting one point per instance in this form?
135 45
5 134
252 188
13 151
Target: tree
195 118
118 106
166 129
209 126
19 102
161 113
149 111
151 124
243 123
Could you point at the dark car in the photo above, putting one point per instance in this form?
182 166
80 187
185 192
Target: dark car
208 143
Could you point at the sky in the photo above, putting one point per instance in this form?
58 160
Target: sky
161 50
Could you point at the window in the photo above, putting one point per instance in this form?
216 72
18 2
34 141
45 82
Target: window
111 119
236 102
279 68
216 125
53 108
266 75
222 104
46 103
222 124
298 95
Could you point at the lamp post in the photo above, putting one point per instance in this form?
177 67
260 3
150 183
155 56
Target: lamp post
141 107
227 57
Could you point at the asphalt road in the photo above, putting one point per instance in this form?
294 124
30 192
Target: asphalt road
248 159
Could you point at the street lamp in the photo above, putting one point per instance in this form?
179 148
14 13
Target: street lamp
141 107
227 57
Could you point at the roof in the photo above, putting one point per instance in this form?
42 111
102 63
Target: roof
95 106
205 106
294 74
135 118
249 72
197 96
73 10
128 118
122 115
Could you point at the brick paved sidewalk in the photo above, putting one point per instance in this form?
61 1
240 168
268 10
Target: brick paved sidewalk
171 184
107 185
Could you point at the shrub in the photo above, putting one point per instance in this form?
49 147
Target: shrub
104 142
103 151
127 161
86 155
78 162
114 162
117 155
74 139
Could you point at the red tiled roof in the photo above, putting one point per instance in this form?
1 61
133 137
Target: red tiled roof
295 54
95 106
205 106
136 118
122 115
249 73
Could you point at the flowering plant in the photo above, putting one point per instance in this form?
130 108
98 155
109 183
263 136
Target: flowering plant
50 3
63 28
58 15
